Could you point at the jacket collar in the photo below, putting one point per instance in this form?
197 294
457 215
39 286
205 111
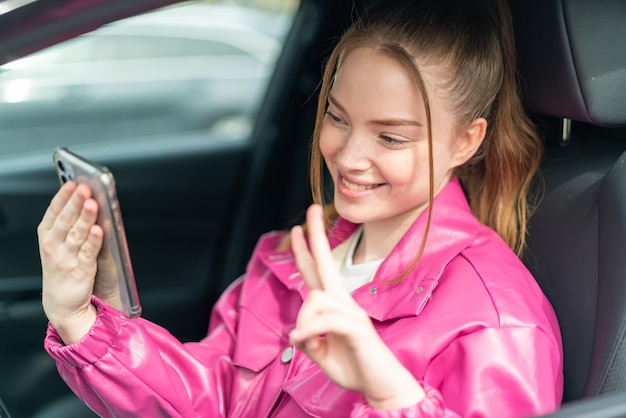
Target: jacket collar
453 228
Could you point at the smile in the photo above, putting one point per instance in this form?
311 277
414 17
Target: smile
357 187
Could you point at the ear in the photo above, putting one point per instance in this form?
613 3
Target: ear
468 141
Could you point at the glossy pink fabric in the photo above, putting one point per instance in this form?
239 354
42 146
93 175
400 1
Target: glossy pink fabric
470 323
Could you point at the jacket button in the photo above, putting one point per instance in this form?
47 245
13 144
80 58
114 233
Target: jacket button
287 355
373 290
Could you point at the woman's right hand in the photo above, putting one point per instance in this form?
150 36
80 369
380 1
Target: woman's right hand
69 243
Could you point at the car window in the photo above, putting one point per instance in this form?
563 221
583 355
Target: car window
133 47
74 50
193 67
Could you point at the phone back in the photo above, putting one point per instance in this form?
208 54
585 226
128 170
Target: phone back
115 279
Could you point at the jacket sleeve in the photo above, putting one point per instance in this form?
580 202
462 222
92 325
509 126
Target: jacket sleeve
504 372
132 367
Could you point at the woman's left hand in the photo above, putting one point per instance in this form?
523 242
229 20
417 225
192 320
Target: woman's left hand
337 334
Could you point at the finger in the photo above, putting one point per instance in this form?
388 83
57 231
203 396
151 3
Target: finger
315 348
80 231
56 205
88 252
304 259
320 250
70 212
323 314
325 323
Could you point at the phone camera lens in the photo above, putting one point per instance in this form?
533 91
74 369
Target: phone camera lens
63 178
61 165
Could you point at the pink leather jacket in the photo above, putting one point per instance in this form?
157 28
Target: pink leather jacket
469 322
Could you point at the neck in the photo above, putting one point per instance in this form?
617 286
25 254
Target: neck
380 237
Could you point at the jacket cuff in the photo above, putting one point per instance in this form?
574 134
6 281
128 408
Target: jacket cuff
430 407
94 345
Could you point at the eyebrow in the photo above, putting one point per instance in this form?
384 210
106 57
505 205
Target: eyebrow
383 122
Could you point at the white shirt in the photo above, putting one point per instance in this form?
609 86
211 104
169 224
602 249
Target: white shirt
354 275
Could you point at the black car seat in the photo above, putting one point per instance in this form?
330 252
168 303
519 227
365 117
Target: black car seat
572 62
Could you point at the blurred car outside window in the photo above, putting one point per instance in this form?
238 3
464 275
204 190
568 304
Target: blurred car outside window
198 66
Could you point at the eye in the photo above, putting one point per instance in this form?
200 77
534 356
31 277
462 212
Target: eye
334 118
391 141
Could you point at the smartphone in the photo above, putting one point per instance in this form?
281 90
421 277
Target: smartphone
115 280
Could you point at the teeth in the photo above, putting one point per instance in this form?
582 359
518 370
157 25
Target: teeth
353 186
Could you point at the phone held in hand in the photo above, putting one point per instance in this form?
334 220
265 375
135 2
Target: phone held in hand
115 280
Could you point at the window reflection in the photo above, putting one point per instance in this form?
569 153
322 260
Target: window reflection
198 66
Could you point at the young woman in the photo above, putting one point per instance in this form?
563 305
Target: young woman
405 297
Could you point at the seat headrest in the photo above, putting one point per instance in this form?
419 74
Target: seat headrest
572 58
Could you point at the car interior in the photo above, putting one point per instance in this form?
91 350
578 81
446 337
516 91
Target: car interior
194 208
572 67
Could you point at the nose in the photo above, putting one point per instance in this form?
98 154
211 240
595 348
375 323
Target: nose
354 154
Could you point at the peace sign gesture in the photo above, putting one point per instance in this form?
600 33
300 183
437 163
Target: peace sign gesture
337 334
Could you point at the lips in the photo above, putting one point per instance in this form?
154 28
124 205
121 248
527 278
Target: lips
357 187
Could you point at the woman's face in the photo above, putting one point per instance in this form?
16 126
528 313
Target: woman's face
374 140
